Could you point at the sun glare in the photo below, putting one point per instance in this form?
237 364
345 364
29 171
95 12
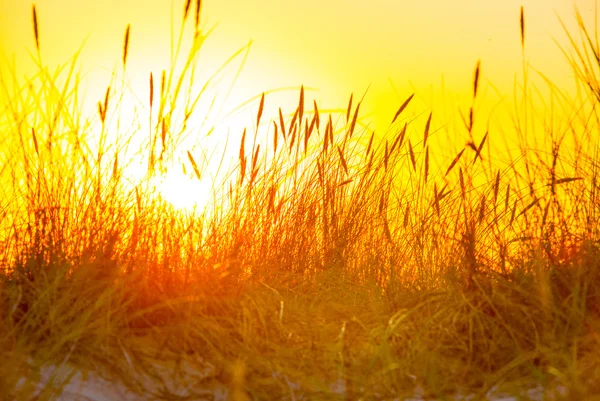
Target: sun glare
184 192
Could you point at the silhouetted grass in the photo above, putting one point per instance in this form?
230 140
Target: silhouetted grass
332 263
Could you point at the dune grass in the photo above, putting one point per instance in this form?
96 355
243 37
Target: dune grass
331 264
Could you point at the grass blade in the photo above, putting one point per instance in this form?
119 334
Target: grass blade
402 107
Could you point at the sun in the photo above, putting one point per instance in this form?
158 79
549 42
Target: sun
184 192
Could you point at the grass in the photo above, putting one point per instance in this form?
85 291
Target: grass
331 264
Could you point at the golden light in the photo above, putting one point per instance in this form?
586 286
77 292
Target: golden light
183 191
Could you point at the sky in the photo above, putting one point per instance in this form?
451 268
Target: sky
387 49
334 46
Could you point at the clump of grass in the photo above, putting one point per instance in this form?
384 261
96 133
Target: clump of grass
333 263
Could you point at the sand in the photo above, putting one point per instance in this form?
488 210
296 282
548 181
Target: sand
185 382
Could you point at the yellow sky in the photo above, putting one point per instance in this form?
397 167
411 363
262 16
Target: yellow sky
335 46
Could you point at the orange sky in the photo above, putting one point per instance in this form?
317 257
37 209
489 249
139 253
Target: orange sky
332 46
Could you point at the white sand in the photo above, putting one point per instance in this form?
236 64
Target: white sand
166 381
187 382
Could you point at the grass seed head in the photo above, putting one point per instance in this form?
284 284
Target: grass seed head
281 123
412 156
426 133
186 9
151 90
260 110
349 107
126 45
36 33
522 26
402 107
456 159
198 14
476 78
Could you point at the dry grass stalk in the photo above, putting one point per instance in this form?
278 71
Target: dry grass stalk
514 210
426 170
436 200
349 108
353 124
313 124
426 133
412 156
163 133
479 148
242 156
545 216
406 216
151 90
35 142
369 146
471 119
194 165
255 163
275 137
402 107
476 80
261 107
326 139
532 204
454 161
342 159
294 119
271 196
481 209
307 132
386 230
106 98
281 123
36 33
386 156
301 105
115 169
186 9
522 26
399 139
496 187
126 45
198 14
566 180
330 131
293 138
463 190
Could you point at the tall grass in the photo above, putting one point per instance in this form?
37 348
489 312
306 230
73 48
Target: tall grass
334 263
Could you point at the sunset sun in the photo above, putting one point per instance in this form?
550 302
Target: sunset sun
184 191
